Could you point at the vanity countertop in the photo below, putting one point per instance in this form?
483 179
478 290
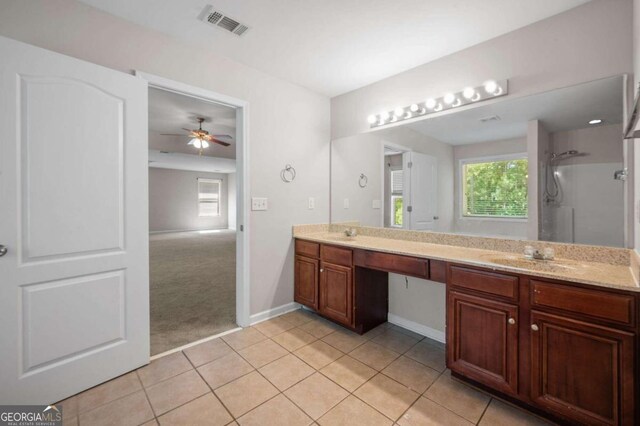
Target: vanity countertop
585 272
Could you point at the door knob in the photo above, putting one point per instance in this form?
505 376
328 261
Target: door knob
3 250
511 321
534 327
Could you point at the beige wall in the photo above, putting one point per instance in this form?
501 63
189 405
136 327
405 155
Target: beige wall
173 201
497 227
287 123
583 44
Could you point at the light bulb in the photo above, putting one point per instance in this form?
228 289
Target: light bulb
372 119
398 112
449 98
205 144
414 107
468 92
595 121
384 116
491 87
430 104
196 143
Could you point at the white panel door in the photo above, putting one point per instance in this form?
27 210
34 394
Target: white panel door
74 290
420 192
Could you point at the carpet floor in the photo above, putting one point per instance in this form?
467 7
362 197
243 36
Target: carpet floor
193 287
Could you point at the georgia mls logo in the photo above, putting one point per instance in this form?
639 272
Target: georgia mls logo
30 415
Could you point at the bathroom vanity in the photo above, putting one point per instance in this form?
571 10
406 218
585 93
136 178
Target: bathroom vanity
562 341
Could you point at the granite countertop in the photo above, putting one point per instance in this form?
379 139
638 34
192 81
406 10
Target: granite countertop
579 271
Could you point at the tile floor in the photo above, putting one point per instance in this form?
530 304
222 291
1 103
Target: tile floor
296 369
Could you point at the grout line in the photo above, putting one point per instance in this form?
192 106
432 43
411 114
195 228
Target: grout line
484 411
144 389
197 342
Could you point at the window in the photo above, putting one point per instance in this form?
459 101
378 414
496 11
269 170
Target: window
208 197
495 187
396 198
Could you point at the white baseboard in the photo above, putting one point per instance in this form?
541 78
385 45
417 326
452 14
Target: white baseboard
273 312
423 330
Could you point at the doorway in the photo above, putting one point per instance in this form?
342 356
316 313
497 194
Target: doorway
196 235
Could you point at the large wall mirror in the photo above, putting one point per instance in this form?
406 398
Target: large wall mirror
549 166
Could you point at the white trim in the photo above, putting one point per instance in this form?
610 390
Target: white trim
274 312
197 342
422 330
243 284
191 230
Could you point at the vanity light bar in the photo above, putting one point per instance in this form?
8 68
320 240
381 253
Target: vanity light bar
470 95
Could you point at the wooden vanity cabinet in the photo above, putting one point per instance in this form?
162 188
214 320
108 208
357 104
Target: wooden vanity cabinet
336 293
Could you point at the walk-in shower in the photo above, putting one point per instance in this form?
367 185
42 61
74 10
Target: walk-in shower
554 193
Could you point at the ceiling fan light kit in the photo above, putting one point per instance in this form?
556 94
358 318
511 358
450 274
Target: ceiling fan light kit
201 139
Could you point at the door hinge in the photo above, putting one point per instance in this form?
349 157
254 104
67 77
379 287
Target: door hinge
241 228
409 209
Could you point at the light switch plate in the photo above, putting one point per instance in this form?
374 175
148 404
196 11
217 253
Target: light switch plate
312 203
259 204
376 204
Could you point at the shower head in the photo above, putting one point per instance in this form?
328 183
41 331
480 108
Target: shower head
564 155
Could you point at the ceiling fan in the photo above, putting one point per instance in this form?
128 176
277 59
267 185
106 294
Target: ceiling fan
201 139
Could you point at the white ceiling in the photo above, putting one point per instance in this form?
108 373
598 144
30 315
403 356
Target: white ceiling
335 46
170 112
564 109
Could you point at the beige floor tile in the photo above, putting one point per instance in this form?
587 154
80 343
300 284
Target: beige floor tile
244 338
286 372
276 411
348 372
69 421
426 412
246 393
207 351
458 397
153 422
225 370
263 353
319 327
501 414
353 412
108 391
164 368
69 407
412 374
387 396
344 340
316 395
318 354
374 355
132 410
274 326
395 341
409 333
205 410
376 331
429 355
294 339
299 317
171 393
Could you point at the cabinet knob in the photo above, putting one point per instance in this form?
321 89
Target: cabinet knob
534 327
511 321
321 270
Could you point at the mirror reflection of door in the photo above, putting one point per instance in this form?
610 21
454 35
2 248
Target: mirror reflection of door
420 191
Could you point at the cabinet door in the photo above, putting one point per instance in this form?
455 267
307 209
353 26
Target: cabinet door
582 371
306 281
336 292
483 340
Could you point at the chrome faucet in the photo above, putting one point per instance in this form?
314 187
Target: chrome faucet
532 253
350 232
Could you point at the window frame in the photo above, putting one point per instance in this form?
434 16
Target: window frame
219 202
487 159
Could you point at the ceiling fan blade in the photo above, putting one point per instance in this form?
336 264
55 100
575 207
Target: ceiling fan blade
175 134
220 142
223 136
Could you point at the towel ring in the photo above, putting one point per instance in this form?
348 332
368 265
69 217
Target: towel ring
288 174
363 181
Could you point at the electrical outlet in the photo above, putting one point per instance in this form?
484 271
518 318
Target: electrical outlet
376 204
312 203
259 204
346 203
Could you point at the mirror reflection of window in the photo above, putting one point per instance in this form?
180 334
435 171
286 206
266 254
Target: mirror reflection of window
396 198
208 197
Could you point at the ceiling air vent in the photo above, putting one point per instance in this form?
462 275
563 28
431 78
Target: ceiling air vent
220 20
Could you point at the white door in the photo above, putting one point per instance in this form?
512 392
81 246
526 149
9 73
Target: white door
420 192
74 290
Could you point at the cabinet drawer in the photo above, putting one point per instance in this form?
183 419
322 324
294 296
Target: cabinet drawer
438 271
337 255
603 305
485 282
405 265
307 248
